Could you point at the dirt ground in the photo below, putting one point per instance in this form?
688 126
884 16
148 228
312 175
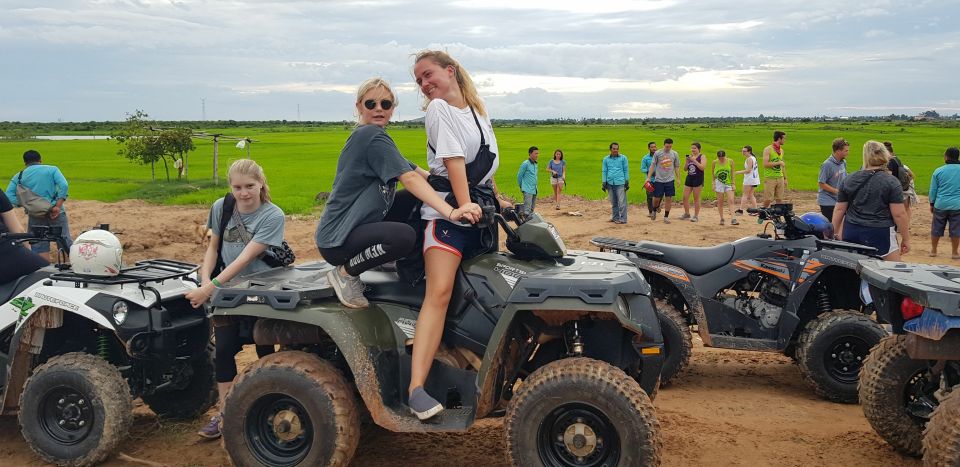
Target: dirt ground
728 408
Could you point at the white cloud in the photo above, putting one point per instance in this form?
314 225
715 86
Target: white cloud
628 109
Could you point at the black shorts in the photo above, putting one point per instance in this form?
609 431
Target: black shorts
463 241
661 189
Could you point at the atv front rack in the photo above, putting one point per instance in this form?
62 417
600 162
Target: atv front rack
142 272
619 245
280 288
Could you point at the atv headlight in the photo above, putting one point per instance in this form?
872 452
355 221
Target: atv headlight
120 310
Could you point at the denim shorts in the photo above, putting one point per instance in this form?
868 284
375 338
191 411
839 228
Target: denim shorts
940 220
661 189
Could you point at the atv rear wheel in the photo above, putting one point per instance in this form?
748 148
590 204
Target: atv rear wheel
75 410
831 352
291 408
198 395
941 439
585 412
897 394
677 342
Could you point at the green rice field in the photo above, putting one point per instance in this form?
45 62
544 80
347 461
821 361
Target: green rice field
299 164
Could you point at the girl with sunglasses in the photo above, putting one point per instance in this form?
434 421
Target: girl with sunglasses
462 156
363 224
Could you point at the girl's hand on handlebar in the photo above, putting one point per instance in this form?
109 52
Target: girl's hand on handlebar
504 204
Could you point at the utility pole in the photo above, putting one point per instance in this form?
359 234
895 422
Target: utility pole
203 108
216 153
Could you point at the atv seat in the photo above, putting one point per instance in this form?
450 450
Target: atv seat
695 260
386 286
12 288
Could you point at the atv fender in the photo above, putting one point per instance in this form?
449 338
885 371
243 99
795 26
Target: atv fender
26 343
682 283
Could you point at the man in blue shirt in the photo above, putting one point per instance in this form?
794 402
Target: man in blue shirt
945 201
832 172
49 183
645 168
527 179
616 182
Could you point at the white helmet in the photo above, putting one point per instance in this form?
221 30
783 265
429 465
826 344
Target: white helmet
96 253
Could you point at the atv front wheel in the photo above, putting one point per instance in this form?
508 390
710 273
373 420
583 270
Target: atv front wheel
75 410
585 412
897 394
197 395
831 352
941 440
291 408
677 343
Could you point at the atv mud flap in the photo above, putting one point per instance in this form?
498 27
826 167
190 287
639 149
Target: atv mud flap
947 348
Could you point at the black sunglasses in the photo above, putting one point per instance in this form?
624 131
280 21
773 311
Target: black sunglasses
385 104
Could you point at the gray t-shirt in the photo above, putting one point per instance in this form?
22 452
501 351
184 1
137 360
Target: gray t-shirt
831 173
665 165
869 194
364 185
265 225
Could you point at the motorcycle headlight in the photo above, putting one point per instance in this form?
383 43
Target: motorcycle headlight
120 310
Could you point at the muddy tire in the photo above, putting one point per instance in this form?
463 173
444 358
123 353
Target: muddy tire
891 383
580 411
291 408
195 398
75 410
831 352
941 440
677 342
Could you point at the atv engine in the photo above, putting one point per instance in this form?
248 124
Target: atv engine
759 296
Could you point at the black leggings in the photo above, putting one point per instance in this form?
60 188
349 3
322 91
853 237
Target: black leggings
18 261
228 345
370 245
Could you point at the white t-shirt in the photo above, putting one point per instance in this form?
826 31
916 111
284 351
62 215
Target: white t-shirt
454 133
752 177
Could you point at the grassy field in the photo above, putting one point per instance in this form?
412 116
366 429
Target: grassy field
299 164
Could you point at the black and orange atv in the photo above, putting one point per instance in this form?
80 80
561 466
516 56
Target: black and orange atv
790 292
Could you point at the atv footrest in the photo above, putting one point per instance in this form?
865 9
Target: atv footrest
619 245
281 288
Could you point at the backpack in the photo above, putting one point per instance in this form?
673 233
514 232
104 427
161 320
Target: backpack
35 205
903 174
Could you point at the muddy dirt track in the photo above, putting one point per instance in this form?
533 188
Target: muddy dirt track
728 408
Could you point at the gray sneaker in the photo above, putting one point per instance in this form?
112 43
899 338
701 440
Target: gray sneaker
694 219
685 216
349 288
666 220
422 405
653 215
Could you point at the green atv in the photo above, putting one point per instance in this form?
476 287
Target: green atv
565 345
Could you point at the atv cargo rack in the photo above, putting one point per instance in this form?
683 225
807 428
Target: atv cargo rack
619 245
142 272
281 288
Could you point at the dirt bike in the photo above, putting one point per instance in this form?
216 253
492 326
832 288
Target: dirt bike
909 384
75 350
788 292
564 344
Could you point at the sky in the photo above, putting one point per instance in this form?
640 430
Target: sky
81 60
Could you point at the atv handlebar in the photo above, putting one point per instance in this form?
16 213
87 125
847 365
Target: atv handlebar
39 233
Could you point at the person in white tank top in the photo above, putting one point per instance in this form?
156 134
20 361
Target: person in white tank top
751 179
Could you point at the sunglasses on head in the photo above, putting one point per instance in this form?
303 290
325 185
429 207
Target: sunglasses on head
385 104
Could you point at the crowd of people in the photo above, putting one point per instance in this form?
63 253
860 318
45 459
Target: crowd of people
368 222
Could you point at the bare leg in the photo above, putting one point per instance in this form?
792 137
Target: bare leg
696 200
934 241
720 196
441 268
955 243
223 388
686 200
730 198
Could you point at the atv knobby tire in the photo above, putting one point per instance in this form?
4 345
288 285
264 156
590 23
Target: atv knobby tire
831 351
677 342
941 439
75 410
291 408
584 412
884 395
193 400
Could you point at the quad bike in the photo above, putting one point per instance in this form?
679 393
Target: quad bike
791 292
564 345
910 384
75 349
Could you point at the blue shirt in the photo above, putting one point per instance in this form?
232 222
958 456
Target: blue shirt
616 171
527 177
945 187
44 180
645 166
832 173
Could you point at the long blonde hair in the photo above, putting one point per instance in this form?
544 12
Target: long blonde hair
467 88
875 154
251 169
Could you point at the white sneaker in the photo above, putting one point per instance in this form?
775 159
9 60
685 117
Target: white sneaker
349 288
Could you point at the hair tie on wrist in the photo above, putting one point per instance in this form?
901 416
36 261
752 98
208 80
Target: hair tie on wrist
450 216
215 282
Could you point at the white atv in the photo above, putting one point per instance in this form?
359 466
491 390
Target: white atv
75 349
